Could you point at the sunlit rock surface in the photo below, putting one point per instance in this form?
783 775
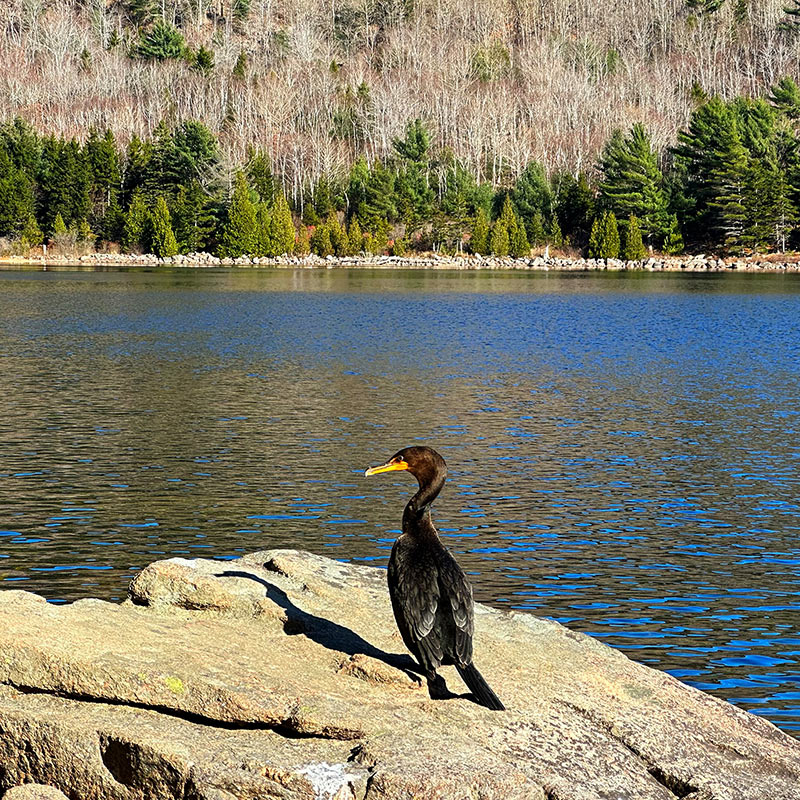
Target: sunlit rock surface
281 675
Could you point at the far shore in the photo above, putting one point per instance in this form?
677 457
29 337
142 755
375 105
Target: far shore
541 263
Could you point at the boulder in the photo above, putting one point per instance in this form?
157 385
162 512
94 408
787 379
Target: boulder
282 675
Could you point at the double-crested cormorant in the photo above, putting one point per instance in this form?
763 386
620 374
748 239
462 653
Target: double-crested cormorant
431 596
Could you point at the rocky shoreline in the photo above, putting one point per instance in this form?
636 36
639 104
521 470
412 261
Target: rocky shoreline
694 263
281 675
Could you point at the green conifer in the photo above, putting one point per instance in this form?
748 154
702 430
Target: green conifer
537 229
611 237
634 247
479 241
632 181
161 42
240 67
85 234
240 232
265 246
59 226
498 241
556 237
164 244
283 232
204 61
321 241
673 242
355 237
137 224
31 235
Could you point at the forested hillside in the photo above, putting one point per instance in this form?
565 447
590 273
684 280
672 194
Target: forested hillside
424 122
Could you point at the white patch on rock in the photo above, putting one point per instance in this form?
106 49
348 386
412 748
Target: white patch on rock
329 781
184 562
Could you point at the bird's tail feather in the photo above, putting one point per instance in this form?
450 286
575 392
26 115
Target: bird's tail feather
478 686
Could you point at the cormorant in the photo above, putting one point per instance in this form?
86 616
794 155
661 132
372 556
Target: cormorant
431 596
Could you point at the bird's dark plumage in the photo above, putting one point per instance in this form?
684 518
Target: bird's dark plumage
431 596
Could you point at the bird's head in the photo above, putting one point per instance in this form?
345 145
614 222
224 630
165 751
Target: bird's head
424 463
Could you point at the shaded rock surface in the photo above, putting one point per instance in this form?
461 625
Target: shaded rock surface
281 675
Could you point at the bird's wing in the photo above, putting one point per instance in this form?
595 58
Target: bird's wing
415 598
458 591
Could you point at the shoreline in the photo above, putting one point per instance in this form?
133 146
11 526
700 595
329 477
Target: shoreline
695 263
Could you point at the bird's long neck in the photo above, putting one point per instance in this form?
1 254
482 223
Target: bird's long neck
417 513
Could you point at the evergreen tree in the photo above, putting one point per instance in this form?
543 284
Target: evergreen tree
574 205
632 181
22 144
515 233
412 185
239 236
31 235
532 200
264 242
729 183
355 237
499 241
537 229
283 233
321 241
376 208
164 244
556 237
240 67
112 225
137 159
604 239
259 175
104 176
339 241
161 42
673 242
479 242
59 226
16 196
192 218
785 96
85 234
634 247
137 224
204 61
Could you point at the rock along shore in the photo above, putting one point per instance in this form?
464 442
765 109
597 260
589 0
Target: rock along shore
694 263
281 675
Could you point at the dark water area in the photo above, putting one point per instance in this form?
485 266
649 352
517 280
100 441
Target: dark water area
623 449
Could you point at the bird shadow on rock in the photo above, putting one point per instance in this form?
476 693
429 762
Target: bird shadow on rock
341 639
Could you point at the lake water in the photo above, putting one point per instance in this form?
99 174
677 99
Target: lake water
623 449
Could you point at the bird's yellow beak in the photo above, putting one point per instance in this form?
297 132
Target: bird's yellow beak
390 466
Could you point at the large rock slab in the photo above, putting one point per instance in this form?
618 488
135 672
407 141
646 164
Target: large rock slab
282 675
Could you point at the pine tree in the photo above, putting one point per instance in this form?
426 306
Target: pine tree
673 242
611 235
240 67
355 237
729 182
192 219
59 226
264 242
85 234
283 233
321 241
137 224
556 237
536 229
632 181
204 61
532 198
518 245
634 247
161 42
479 242
239 233
604 239
16 196
104 176
574 206
412 186
785 96
31 235
498 241
259 175
164 244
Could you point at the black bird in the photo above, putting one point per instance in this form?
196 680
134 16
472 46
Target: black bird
431 596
